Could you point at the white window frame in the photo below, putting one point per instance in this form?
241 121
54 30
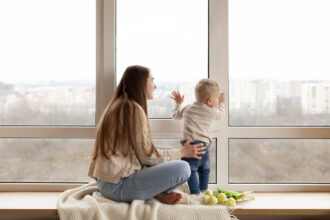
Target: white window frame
105 84
218 70
163 128
219 15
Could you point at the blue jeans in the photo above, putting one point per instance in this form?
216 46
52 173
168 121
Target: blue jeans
202 166
147 183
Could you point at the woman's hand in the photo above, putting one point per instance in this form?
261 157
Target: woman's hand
176 96
192 151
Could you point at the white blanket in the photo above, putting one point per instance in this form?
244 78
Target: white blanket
86 202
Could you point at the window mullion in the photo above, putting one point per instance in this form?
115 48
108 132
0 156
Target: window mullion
105 54
218 70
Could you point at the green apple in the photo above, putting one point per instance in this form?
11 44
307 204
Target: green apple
209 192
231 202
222 198
213 200
205 199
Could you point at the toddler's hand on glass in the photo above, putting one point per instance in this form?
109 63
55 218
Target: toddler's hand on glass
176 96
222 98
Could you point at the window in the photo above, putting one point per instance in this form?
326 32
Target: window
174 45
51 90
274 70
276 161
278 65
44 160
278 124
48 62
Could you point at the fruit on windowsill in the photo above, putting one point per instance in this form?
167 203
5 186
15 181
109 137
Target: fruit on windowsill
213 200
209 192
222 198
206 199
231 202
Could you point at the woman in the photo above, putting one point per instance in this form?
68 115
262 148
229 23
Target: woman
125 162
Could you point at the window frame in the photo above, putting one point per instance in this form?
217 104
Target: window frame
219 70
105 84
231 132
167 128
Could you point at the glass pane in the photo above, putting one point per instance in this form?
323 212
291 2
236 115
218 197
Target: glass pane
279 71
279 161
59 160
175 143
45 160
48 62
173 44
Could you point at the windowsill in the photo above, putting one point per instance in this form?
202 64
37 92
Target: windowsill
286 203
28 203
275 203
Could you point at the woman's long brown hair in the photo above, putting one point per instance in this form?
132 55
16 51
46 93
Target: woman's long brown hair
116 130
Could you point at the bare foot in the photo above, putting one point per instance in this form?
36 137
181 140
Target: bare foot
171 198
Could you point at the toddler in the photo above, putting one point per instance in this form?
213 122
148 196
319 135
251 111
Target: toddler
209 106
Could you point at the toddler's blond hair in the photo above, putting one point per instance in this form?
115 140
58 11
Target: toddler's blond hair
206 88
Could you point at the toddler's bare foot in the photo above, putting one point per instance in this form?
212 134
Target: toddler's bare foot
171 198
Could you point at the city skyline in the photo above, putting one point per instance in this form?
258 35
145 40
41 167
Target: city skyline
251 102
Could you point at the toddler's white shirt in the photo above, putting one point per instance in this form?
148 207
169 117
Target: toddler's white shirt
198 118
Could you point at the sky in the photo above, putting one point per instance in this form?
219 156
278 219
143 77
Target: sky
284 39
44 40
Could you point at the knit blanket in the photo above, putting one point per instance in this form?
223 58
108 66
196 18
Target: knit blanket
86 203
